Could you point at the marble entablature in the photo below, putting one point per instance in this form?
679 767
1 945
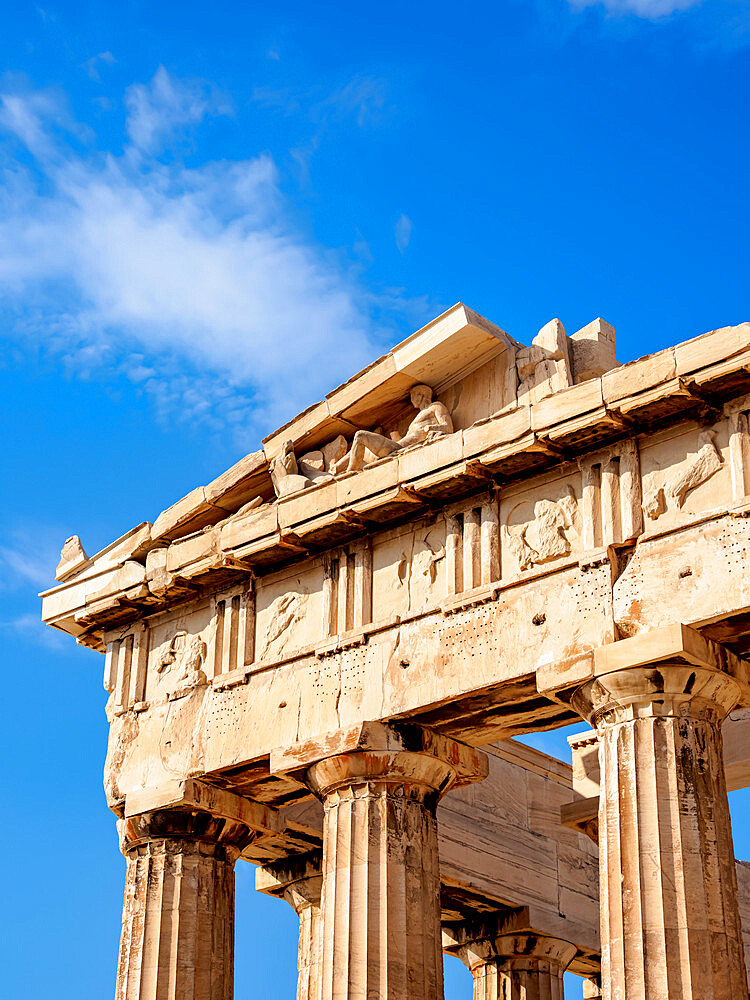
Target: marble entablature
455 537
370 577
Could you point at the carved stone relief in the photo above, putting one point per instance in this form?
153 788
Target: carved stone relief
290 475
184 658
285 473
417 570
433 420
285 611
544 367
317 465
675 486
704 465
550 535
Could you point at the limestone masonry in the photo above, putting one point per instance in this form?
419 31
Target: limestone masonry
317 663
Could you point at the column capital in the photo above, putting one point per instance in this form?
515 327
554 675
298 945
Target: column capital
667 672
190 810
506 957
399 753
298 880
412 775
517 951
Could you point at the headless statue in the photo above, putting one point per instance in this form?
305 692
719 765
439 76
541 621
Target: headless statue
433 420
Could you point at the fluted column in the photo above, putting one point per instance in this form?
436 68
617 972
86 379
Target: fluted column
304 896
177 939
517 966
298 880
381 880
668 893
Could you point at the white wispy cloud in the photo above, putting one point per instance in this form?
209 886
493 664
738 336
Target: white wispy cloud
164 107
193 282
362 100
28 556
363 97
402 232
93 64
31 628
649 9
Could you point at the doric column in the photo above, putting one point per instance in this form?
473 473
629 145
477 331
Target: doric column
668 891
304 897
592 989
508 959
518 966
298 880
177 939
381 881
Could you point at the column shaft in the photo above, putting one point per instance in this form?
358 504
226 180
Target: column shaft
380 901
668 892
177 939
381 895
381 880
668 881
304 897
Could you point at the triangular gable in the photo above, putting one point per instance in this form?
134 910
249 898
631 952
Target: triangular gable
446 350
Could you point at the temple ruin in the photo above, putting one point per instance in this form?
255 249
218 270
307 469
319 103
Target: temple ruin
317 663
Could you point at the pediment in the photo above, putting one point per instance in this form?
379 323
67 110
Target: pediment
439 355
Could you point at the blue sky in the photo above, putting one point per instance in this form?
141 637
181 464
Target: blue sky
212 214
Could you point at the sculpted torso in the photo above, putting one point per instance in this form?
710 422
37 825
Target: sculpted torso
432 420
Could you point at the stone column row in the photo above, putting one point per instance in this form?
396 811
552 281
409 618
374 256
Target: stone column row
670 917
505 964
378 926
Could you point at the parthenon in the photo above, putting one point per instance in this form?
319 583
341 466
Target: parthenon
318 663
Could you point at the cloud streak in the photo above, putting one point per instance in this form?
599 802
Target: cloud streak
402 232
190 281
28 557
648 9
164 108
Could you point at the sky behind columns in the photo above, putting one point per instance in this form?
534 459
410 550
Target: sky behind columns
211 214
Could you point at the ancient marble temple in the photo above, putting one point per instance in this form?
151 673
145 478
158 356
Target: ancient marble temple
317 664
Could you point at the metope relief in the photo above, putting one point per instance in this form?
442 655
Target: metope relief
417 569
183 660
692 484
283 615
552 533
701 468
